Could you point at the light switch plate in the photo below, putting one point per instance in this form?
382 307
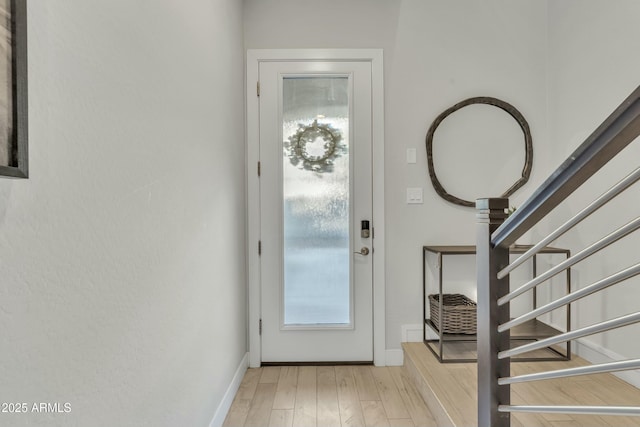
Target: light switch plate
414 195
411 155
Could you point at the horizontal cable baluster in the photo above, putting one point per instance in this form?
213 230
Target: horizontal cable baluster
624 365
605 198
576 410
578 333
600 244
494 389
574 296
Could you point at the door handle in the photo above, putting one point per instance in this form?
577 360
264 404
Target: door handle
364 251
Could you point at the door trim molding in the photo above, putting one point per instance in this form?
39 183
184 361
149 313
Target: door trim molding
254 57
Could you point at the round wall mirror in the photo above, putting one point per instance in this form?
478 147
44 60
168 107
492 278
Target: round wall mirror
475 150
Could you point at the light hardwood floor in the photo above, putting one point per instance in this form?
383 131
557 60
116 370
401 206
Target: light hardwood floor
328 396
340 396
451 390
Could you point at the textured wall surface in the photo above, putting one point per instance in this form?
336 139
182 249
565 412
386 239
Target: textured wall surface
122 284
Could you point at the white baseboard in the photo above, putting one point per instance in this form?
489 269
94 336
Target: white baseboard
395 357
227 400
595 353
410 333
413 333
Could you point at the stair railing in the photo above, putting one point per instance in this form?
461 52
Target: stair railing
496 233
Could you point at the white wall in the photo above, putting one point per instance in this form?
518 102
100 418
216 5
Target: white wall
593 68
122 284
436 53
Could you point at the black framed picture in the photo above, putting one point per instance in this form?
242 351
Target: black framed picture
13 89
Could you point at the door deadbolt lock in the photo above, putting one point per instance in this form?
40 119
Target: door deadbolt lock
364 229
363 251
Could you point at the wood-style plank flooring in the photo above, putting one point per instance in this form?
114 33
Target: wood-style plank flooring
451 391
328 396
340 396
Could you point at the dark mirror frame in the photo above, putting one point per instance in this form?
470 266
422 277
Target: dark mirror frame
513 112
20 167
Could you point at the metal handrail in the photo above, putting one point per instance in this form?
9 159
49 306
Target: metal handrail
605 198
494 237
613 135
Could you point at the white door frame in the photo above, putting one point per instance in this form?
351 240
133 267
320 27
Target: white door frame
254 57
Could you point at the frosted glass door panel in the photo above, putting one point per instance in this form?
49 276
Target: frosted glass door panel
316 185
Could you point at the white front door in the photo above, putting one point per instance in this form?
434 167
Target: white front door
316 263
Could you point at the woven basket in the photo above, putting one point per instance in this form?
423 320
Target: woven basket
458 312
